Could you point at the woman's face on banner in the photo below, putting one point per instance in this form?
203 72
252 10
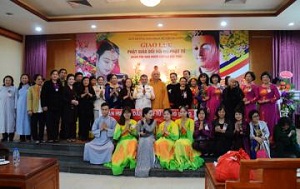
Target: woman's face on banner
107 61
203 49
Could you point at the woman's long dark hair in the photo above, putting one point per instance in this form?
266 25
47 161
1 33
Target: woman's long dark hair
221 107
186 109
122 118
168 110
144 112
240 109
202 110
207 79
106 45
82 86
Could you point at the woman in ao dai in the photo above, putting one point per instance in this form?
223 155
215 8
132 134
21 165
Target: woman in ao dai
185 156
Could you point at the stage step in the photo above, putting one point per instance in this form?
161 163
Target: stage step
70 156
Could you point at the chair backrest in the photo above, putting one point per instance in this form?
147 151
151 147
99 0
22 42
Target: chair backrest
272 174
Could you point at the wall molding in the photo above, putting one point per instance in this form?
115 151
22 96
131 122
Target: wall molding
12 35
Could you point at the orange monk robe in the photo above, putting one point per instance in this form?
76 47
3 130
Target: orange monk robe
161 100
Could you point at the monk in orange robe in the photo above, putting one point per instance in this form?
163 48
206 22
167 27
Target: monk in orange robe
161 100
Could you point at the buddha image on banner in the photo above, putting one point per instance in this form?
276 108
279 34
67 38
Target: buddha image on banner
136 53
205 46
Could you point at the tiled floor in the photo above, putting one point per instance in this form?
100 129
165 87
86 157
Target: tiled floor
84 181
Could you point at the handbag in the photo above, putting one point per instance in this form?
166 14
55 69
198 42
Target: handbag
262 153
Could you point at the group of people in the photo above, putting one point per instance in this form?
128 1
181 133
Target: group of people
228 117
143 144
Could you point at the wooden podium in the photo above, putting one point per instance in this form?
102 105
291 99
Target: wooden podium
32 173
210 180
268 174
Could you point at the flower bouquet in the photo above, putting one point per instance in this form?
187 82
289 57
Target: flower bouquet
288 101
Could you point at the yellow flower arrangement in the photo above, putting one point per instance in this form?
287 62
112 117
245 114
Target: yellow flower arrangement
233 43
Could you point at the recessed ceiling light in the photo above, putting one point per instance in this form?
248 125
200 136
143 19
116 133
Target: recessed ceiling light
291 24
9 14
223 23
150 3
38 28
93 26
160 25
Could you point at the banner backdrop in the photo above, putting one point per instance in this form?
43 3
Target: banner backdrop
136 53
157 114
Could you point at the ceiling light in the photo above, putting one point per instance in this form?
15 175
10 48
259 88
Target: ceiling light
291 24
150 3
93 26
235 1
223 23
160 25
38 29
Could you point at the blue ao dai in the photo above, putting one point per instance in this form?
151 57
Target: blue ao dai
99 150
8 102
23 119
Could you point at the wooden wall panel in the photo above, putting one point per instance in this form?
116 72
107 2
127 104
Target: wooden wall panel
260 52
61 53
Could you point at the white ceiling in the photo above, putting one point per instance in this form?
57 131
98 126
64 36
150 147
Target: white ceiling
24 22
102 7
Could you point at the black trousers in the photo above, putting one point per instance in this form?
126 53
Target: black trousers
287 150
9 136
69 119
38 125
23 138
205 146
85 123
52 123
62 132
